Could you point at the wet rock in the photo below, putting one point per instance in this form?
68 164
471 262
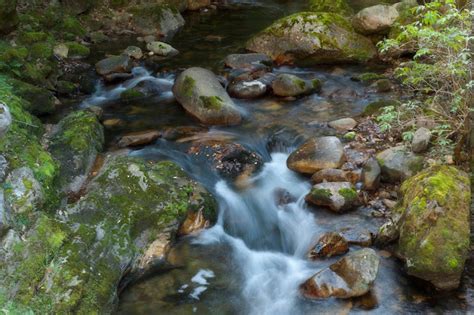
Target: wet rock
8 16
134 52
152 19
398 163
343 124
317 154
201 94
5 119
113 123
247 61
162 49
131 95
139 138
328 245
281 139
197 4
230 160
387 233
79 137
291 85
435 225
114 64
421 140
195 221
301 37
377 19
357 236
371 174
176 133
351 276
24 194
335 175
283 197
247 89
117 77
337 196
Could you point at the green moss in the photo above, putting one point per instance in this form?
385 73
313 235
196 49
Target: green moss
32 37
349 194
72 25
211 102
41 50
188 86
335 6
369 77
300 83
319 193
350 135
131 94
77 50
316 84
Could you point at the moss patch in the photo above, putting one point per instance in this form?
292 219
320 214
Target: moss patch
211 102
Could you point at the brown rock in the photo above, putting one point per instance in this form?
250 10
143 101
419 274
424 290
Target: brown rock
328 245
138 138
194 222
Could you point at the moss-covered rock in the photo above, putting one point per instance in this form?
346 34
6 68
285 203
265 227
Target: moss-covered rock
435 225
335 6
156 18
76 50
131 94
40 100
373 107
313 38
337 196
75 145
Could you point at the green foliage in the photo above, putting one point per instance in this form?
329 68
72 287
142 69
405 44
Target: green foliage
439 73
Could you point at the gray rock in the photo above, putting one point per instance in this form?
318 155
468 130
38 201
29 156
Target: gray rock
343 124
134 52
201 94
246 61
24 193
421 140
3 168
291 85
162 49
398 163
153 19
351 276
114 64
388 233
247 89
371 174
4 225
375 20
5 119
337 196
317 154
301 37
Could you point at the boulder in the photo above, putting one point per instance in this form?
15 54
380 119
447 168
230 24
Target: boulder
8 16
398 163
291 85
201 94
328 245
5 119
356 235
40 100
162 49
78 138
377 19
138 138
152 19
303 37
247 89
434 225
351 276
343 124
337 196
371 174
421 140
134 52
247 61
317 154
114 64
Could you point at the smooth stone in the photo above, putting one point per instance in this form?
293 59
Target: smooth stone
162 49
247 89
421 140
317 154
375 20
138 138
357 236
328 245
114 64
336 175
398 163
351 276
343 124
134 52
291 85
371 174
337 196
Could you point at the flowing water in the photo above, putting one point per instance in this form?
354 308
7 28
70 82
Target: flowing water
254 259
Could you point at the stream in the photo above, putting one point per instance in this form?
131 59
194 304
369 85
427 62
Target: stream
255 257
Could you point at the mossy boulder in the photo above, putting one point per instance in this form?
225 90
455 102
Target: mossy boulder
77 51
151 19
335 6
40 100
435 225
74 263
313 38
8 16
292 85
202 95
337 196
79 137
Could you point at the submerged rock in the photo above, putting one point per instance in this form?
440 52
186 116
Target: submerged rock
337 196
79 137
201 94
375 20
114 64
303 37
398 163
247 61
435 225
351 276
138 138
328 245
291 85
317 154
